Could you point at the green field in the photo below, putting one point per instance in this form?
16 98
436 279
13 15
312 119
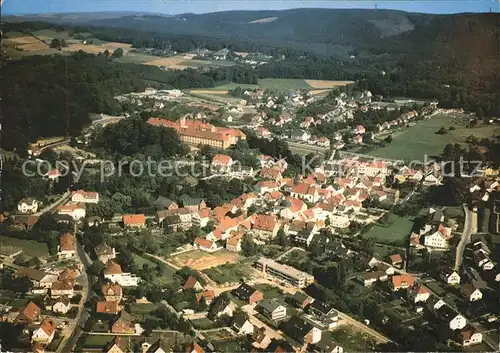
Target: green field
168 272
283 84
228 273
277 84
414 142
393 232
230 86
30 247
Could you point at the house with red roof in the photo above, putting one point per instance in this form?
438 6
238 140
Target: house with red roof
75 210
271 174
296 206
438 239
418 293
266 186
113 273
134 221
234 243
81 196
358 139
67 247
265 226
44 333
193 283
221 162
30 314
402 282
205 245
208 295
305 191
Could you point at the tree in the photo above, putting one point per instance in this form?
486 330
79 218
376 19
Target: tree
388 139
106 53
56 43
248 246
479 113
442 131
118 53
281 238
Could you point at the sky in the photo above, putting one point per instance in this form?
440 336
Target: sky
204 6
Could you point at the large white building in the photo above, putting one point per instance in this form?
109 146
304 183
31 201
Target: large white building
286 273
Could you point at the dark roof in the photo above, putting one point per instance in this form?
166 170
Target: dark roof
325 346
297 328
322 307
160 343
239 319
164 202
218 305
244 291
300 297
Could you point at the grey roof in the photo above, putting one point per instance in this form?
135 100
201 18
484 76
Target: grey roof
164 202
269 305
322 307
297 328
239 320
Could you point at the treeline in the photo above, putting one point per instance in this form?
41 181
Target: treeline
53 95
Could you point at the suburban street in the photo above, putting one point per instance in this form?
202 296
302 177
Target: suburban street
64 198
68 342
465 237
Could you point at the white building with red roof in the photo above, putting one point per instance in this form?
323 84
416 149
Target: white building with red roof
205 245
75 210
81 196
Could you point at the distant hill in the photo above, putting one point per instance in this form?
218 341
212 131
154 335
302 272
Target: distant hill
298 26
75 17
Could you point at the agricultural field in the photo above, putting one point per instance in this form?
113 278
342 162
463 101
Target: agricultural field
279 84
323 84
201 260
393 232
413 142
30 247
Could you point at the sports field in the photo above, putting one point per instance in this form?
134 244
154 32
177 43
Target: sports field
201 260
413 142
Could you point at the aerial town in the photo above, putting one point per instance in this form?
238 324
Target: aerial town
278 215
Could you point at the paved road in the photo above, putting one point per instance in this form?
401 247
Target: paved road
64 198
68 342
465 237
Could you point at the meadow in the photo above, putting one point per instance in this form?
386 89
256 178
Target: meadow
30 247
392 232
414 142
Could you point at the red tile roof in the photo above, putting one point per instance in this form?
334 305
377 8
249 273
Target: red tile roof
31 311
205 243
112 268
190 283
134 219
264 222
222 159
105 307
67 242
